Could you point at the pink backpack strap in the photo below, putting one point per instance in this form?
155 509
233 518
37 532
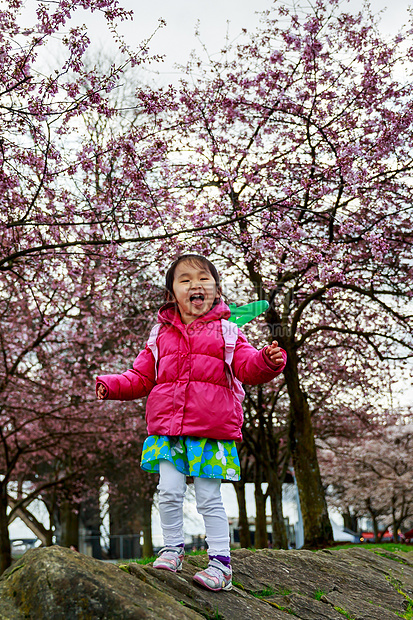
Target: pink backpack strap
153 336
230 334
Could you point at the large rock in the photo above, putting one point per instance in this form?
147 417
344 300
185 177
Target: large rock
58 584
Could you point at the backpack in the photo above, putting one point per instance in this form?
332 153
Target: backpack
230 334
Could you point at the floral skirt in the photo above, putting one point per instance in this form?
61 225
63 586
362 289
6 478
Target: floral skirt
192 456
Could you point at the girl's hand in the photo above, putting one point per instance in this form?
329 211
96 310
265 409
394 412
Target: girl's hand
101 391
273 351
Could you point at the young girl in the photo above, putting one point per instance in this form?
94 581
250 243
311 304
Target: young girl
193 415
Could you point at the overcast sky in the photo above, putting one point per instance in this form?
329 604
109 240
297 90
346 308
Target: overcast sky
216 18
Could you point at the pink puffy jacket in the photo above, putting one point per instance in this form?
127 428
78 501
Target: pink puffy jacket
192 395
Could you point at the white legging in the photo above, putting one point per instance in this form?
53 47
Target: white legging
172 487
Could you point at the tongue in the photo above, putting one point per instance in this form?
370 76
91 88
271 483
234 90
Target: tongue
197 302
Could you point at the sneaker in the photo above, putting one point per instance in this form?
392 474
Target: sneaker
215 577
170 558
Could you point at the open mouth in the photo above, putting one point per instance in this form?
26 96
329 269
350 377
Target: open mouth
197 299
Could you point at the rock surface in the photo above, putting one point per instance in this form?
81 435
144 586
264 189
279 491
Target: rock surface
58 584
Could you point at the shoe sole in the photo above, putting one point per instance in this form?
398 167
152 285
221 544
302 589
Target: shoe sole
171 570
204 585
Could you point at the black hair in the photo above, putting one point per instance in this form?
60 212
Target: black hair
194 259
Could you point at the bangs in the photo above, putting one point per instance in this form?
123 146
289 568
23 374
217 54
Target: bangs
198 261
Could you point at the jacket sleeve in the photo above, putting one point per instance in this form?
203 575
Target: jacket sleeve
251 366
134 383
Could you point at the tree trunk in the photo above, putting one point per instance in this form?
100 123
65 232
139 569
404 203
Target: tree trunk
243 526
69 521
48 538
380 535
261 536
279 534
350 521
50 499
5 547
125 528
147 550
397 521
317 526
91 520
375 529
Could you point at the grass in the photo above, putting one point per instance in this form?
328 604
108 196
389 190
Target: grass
263 593
153 558
271 592
143 560
344 612
392 547
408 614
397 585
385 554
318 594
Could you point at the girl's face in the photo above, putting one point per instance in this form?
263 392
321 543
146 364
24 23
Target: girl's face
194 289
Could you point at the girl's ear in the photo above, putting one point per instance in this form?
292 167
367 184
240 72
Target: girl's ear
219 293
168 296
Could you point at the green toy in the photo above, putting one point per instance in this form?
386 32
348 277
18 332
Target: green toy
244 314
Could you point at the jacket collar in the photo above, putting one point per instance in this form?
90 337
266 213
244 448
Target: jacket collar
169 313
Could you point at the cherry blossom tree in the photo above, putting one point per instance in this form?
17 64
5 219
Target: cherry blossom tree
54 338
293 151
287 160
49 286
371 475
45 207
56 439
